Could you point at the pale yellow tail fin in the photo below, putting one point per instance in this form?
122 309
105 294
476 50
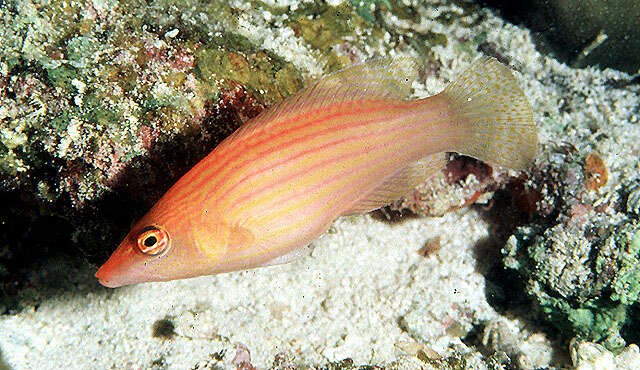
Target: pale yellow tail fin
494 117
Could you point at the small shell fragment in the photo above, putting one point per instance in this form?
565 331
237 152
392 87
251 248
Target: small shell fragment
588 355
421 351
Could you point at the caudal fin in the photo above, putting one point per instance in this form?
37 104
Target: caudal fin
494 117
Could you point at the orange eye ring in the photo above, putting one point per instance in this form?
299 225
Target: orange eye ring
153 240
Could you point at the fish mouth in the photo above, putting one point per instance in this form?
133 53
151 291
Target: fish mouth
117 271
106 276
104 279
112 279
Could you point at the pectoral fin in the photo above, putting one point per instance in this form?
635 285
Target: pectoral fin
218 237
240 237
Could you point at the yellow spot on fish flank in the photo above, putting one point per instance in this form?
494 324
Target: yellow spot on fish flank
210 247
210 236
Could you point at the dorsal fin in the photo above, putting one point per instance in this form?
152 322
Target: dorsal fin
383 78
399 184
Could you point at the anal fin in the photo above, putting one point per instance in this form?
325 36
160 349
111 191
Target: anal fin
289 257
399 184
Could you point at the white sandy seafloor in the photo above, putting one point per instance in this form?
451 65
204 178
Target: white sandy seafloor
366 292
345 300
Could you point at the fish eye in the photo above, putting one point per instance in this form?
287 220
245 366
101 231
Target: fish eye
153 240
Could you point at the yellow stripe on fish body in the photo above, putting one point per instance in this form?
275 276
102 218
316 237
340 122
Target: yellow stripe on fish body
350 143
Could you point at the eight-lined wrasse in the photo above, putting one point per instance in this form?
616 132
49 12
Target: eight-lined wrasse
350 143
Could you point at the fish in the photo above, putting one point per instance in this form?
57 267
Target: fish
350 143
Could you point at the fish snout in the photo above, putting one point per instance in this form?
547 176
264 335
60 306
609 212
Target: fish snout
119 268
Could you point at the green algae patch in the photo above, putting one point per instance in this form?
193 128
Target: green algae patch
263 74
324 26
584 286
366 8
625 284
62 76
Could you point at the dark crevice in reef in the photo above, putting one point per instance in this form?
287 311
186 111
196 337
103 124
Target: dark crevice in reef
631 331
505 290
580 33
